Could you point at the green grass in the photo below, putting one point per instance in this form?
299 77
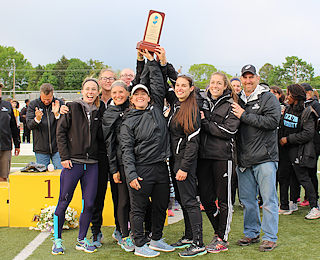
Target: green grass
21 161
298 239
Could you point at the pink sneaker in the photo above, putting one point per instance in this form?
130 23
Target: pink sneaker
298 200
170 213
304 203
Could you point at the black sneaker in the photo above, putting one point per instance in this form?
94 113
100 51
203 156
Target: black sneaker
182 243
193 250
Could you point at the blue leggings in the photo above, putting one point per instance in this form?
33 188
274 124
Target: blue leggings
88 176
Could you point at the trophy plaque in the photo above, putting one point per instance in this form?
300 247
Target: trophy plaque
152 32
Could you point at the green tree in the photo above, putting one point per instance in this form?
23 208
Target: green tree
9 56
201 74
265 71
95 67
34 76
60 71
315 82
76 72
48 76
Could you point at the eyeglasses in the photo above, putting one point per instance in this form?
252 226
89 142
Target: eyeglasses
107 79
127 76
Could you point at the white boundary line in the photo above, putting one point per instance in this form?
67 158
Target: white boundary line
28 250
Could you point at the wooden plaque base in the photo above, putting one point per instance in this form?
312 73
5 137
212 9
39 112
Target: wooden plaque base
142 45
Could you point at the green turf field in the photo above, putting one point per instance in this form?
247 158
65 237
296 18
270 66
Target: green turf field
298 239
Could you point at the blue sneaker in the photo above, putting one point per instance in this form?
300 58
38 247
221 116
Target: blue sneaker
160 245
127 244
145 251
85 246
97 240
57 248
117 236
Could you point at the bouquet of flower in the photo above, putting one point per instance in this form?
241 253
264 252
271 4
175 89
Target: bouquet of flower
45 222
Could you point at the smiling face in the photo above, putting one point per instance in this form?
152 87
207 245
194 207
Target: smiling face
217 86
89 92
140 99
183 89
236 86
106 79
127 75
46 99
249 82
119 95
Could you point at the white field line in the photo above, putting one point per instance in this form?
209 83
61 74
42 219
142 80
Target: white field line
28 250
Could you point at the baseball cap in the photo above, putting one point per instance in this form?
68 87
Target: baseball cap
307 87
248 68
139 86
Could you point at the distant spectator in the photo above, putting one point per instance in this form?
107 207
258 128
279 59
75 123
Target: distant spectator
23 117
8 132
236 85
42 117
15 106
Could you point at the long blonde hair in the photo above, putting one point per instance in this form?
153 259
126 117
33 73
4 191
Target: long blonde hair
226 83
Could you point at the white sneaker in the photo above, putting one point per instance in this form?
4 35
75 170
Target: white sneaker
314 213
285 211
293 206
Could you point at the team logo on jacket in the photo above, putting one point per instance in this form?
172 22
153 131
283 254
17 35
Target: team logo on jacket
4 109
256 106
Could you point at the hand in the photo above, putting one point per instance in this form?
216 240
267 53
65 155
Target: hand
202 115
16 151
181 175
116 177
140 56
134 184
146 54
283 141
55 107
64 109
66 164
237 110
38 114
161 54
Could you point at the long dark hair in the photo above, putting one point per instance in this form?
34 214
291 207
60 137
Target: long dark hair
187 114
298 93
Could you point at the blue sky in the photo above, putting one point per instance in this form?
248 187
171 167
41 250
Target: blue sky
227 34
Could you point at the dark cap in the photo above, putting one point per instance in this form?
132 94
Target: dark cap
249 68
307 87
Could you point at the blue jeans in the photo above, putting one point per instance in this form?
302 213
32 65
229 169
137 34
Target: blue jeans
261 176
45 159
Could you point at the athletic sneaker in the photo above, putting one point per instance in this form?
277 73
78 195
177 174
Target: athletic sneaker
285 211
85 246
293 206
57 248
212 243
182 243
245 241
304 203
217 245
267 246
170 213
97 240
127 244
145 251
193 251
117 235
160 245
314 213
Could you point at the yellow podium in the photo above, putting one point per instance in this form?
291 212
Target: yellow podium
31 192
4 204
